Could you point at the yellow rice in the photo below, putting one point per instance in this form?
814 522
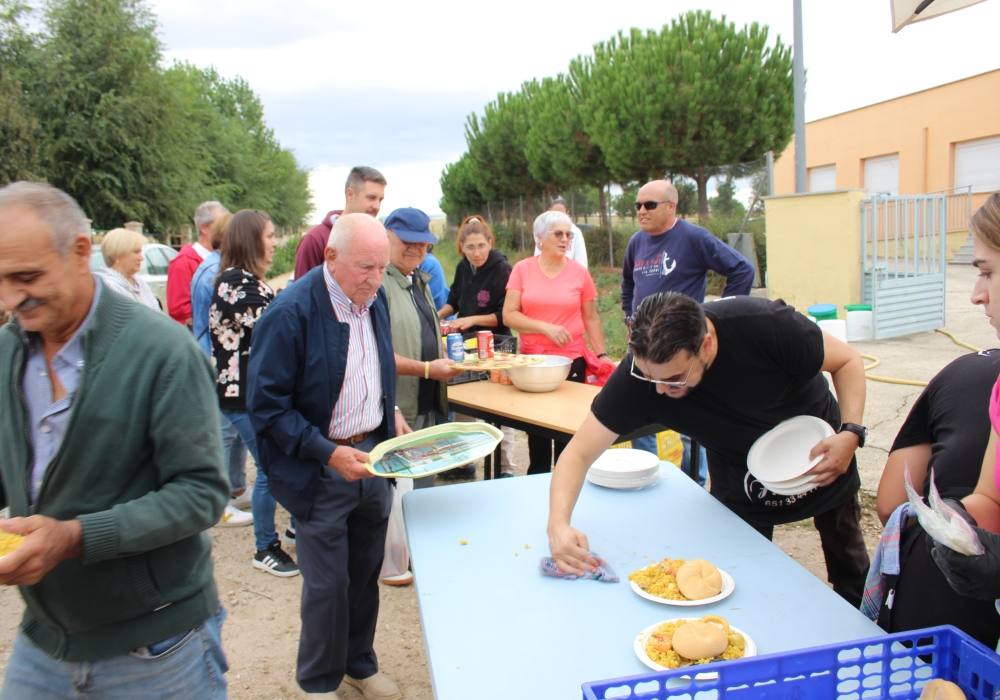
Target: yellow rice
660 650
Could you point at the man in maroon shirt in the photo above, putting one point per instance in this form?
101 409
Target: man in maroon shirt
364 192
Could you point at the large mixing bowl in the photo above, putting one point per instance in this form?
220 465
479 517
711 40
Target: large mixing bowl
543 376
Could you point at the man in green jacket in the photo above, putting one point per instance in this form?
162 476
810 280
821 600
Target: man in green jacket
111 465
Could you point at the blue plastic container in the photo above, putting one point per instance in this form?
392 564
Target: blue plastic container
822 312
894 666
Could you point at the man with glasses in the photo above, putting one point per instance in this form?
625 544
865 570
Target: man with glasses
725 373
669 254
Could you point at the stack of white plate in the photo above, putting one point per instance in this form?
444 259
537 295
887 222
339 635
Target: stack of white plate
625 469
779 459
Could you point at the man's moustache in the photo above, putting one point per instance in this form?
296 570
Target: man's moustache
28 305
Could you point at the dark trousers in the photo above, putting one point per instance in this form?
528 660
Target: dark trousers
543 452
843 548
922 597
340 548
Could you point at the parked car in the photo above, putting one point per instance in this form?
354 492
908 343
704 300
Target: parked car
155 258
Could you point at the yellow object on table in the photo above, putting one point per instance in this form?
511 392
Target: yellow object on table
668 446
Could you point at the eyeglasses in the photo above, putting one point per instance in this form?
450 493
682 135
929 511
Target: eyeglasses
669 383
568 235
650 206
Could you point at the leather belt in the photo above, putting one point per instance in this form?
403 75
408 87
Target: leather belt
353 440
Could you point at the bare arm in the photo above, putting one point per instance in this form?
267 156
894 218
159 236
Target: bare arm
847 369
984 502
593 327
467 322
891 493
440 369
569 547
445 311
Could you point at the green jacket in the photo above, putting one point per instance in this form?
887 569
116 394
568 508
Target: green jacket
405 323
140 467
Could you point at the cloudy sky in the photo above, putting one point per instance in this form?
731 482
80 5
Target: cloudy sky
390 83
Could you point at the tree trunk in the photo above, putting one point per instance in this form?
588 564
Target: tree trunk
701 179
602 198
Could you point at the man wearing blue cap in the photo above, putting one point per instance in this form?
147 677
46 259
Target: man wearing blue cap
421 392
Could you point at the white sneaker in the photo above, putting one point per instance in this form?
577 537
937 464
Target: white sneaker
234 517
242 501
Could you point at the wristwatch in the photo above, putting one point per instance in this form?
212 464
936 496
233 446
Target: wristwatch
859 430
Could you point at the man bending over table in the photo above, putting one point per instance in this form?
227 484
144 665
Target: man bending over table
726 372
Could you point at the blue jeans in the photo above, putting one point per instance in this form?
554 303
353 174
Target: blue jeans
235 453
647 443
190 665
262 503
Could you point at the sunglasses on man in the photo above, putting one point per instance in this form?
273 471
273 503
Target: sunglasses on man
650 205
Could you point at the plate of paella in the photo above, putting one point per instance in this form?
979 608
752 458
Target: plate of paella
683 582
689 641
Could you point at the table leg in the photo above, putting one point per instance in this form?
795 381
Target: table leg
492 461
693 460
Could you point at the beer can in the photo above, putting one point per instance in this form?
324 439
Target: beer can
456 347
484 342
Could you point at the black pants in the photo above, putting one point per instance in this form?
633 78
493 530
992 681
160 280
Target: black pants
843 548
921 596
542 451
340 550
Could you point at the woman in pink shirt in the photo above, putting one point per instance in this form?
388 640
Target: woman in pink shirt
552 303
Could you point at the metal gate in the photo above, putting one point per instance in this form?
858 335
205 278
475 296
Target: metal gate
903 262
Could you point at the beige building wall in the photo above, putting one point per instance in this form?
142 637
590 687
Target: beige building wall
922 128
814 248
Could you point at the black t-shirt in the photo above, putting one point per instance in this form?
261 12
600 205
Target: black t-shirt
767 370
952 416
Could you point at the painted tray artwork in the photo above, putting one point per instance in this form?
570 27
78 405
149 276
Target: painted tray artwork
432 450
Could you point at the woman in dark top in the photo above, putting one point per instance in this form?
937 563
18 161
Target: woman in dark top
480 284
947 431
241 295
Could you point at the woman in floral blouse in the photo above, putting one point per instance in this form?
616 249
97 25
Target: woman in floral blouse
241 295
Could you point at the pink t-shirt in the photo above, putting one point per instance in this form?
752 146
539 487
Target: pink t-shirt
995 420
556 300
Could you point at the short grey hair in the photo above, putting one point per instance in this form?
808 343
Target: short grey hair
342 233
360 174
546 221
63 216
208 211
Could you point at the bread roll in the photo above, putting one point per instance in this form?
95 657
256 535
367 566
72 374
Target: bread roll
699 640
698 579
940 689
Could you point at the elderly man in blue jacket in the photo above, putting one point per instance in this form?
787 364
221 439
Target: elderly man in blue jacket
322 394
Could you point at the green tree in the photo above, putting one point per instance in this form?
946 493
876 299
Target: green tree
687 196
693 97
724 202
19 138
111 135
497 147
459 194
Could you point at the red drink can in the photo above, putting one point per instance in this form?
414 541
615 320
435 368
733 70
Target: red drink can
484 341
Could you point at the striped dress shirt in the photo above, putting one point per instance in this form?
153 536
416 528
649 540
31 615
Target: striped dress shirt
359 406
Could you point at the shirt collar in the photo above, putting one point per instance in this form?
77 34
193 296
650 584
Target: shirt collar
72 350
201 250
339 298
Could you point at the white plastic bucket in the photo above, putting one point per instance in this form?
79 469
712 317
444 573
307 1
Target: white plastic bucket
835 327
860 325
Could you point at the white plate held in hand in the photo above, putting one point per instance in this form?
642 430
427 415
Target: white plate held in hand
782 453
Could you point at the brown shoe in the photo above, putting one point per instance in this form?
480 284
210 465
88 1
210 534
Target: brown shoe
377 687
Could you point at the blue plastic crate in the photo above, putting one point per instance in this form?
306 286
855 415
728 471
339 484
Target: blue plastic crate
891 666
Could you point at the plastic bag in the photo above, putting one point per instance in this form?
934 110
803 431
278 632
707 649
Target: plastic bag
397 554
940 521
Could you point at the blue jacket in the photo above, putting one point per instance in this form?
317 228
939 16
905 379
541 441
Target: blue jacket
439 287
296 371
202 290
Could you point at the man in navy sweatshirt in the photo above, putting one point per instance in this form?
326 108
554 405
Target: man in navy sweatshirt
669 254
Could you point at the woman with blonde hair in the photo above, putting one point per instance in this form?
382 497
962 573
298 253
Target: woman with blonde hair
122 252
480 285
